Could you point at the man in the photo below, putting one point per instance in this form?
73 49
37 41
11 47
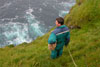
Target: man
60 36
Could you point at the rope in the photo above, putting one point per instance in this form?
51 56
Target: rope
72 58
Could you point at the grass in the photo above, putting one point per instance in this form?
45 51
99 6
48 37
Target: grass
84 45
88 10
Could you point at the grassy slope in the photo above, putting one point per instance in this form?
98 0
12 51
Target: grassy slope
84 45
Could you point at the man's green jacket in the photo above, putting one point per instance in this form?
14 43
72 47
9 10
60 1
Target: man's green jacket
61 36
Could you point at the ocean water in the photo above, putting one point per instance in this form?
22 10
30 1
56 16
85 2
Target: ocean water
25 20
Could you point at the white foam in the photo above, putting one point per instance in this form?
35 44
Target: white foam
29 11
16 33
34 24
66 5
63 13
44 4
10 19
6 5
40 9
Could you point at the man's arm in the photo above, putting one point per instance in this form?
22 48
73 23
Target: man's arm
67 39
52 38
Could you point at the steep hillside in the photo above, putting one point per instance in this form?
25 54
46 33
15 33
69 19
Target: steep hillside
84 11
84 45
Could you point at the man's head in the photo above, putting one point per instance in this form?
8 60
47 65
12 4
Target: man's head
59 21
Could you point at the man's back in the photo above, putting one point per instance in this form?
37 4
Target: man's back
61 35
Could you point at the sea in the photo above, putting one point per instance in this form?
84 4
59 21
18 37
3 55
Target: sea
25 20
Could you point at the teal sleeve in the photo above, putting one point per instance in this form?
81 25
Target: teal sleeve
52 38
68 36
67 39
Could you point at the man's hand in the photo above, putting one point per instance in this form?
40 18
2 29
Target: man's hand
51 46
